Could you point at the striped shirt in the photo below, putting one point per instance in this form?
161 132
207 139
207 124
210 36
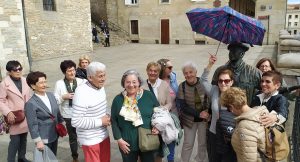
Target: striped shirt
89 105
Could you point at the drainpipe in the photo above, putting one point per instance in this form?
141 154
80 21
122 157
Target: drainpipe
26 36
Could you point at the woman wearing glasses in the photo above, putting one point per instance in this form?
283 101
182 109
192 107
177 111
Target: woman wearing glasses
14 93
220 150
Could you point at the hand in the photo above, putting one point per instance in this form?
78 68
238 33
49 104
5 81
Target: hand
154 131
204 115
106 120
212 60
68 96
124 146
268 120
40 145
11 118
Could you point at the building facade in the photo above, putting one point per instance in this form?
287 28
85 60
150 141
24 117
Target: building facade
293 19
12 35
52 28
165 21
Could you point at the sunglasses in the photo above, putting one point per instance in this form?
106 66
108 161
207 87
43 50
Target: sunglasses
226 81
170 67
17 69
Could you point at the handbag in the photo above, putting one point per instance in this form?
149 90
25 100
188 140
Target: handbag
147 140
19 114
60 128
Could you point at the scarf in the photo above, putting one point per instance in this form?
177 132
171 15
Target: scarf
130 110
69 89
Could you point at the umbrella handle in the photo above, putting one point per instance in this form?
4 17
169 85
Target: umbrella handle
223 33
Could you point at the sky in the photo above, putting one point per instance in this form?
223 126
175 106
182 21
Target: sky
293 1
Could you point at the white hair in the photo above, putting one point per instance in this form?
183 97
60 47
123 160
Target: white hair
189 64
93 67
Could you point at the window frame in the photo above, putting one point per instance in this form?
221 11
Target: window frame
134 27
131 2
49 5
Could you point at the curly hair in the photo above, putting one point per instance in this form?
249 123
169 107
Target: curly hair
235 97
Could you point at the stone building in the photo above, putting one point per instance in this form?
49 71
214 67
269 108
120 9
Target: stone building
293 19
165 22
52 28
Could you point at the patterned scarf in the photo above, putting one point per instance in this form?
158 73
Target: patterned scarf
130 110
69 89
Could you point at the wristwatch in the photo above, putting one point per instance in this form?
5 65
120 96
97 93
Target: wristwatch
277 116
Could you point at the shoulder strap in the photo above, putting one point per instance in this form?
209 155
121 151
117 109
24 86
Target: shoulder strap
150 87
183 88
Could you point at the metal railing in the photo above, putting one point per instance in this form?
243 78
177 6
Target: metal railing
113 27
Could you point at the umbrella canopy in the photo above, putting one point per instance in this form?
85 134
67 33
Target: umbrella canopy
226 25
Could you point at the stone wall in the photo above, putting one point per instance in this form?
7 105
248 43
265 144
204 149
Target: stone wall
98 10
66 31
150 13
12 35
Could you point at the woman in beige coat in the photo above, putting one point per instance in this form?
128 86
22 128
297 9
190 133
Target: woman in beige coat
249 135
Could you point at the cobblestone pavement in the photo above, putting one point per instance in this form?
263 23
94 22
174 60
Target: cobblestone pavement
133 56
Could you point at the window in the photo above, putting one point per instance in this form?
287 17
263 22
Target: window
164 1
295 32
131 2
49 5
289 24
295 24
134 26
290 16
296 16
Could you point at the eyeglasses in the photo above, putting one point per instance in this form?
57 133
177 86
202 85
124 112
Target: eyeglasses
17 69
264 66
226 81
170 67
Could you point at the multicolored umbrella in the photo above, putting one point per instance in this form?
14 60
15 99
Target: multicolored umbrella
226 25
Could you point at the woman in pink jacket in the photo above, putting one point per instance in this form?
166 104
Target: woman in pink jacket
14 92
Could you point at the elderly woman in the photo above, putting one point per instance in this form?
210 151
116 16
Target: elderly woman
84 61
193 113
219 150
42 113
265 65
249 135
14 92
125 129
161 91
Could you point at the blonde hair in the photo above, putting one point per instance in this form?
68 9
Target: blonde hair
235 97
155 64
84 57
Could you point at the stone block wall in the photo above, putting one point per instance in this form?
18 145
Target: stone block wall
66 31
12 35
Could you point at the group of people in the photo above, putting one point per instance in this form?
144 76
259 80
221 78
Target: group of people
105 30
247 94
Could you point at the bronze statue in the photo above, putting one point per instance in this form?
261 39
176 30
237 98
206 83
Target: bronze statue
245 76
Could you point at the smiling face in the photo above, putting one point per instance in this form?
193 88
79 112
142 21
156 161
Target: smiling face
190 75
40 86
268 86
224 82
98 79
131 85
70 74
153 73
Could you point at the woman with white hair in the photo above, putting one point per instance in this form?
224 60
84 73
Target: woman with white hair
89 115
132 109
192 113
